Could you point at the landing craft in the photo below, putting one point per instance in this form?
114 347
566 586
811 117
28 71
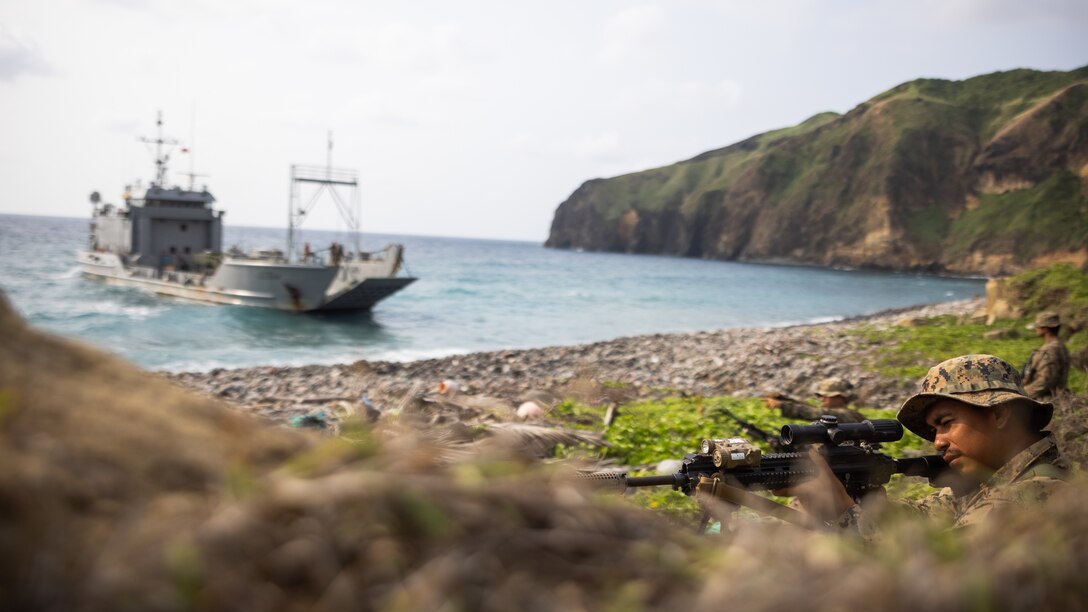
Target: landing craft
169 240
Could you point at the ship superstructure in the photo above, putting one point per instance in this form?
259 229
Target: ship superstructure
168 239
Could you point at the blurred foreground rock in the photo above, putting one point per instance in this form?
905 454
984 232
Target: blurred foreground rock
120 491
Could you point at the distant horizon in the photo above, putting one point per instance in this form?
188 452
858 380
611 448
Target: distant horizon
305 229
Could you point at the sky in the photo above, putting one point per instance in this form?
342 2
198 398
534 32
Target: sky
463 118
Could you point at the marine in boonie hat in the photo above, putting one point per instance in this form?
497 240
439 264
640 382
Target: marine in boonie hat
978 380
833 386
1048 319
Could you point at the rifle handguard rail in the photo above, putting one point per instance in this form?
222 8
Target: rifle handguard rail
849 448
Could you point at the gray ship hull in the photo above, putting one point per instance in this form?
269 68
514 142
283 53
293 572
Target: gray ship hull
297 287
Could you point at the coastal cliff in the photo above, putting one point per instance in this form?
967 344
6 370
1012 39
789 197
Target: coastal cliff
983 176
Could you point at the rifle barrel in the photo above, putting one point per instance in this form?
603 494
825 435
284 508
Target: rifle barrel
622 481
674 480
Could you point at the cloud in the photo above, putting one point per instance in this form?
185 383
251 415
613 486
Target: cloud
604 146
626 32
726 94
20 56
403 46
968 12
115 123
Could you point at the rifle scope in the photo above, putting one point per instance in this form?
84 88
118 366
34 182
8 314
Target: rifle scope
828 430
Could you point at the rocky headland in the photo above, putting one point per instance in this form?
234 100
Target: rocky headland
983 176
743 362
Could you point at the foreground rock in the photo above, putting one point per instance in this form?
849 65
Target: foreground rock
741 362
121 492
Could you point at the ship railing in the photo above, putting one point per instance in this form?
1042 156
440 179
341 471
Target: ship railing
169 275
324 174
379 255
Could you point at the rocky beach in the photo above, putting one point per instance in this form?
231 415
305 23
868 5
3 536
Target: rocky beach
743 362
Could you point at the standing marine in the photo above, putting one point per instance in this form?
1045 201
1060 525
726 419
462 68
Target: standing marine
1047 370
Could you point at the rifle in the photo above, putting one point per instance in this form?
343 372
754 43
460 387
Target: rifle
729 469
1028 372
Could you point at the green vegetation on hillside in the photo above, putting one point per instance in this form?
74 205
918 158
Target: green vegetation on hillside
682 184
1029 222
999 96
908 352
1060 287
893 183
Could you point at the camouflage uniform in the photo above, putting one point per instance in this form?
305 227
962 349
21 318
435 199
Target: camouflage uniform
836 387
1047 370
1032 475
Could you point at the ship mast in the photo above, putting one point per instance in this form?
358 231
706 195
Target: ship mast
161 159
327 180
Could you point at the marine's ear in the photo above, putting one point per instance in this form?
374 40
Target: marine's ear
1002 415
1012 414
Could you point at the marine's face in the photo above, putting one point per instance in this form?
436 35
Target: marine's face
968 437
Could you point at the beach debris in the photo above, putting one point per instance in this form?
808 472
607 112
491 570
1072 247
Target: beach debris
1001 334
530 411
369 412
912 322
315 419
437 409
535 441
449 387
611 414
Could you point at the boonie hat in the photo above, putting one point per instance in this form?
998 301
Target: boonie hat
1047 318
833 386
979 380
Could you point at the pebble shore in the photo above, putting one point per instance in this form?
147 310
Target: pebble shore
743 362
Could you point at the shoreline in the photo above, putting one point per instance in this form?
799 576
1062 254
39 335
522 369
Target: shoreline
742 362
789 263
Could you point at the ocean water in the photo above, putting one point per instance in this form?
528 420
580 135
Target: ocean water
472 295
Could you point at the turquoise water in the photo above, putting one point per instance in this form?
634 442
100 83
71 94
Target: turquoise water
472 295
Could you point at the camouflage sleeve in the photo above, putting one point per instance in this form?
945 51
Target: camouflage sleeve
1016 494
866 521
940 506
944 507
1045 373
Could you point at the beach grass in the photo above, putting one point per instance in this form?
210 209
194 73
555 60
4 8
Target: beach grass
907 352
650 431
